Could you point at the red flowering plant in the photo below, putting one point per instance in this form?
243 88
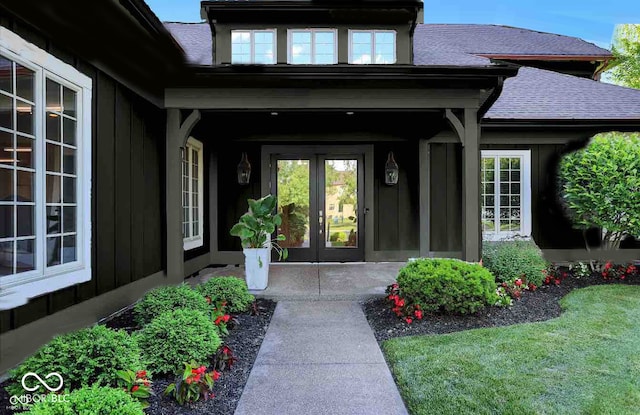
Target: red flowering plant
224 358
610 271
220 317
136 383
554 275
196 382
401 308
514 290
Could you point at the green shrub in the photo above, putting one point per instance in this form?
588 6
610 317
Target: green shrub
169 298
176 337
447 285
230 289
95 400
599 185
510 260
84 357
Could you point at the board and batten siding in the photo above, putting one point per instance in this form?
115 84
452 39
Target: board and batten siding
550 228
127 190
396 213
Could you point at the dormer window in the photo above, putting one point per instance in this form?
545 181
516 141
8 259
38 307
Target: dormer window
312 47
372 47
253 47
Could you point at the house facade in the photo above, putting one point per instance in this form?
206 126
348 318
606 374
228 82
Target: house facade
128 154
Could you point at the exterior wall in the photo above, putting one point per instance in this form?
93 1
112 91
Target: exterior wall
445 210
222 39
396 215
127 205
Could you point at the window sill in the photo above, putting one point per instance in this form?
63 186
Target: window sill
504 236
21 294
190 244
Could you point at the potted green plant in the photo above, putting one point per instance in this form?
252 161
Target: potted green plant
254 230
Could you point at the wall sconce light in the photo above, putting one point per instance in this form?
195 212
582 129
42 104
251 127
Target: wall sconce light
391 170
244 170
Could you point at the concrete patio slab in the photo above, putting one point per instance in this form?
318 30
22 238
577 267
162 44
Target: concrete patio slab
365 279
320 357
317 281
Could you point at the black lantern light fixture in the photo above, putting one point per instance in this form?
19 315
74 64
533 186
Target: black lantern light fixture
391 170
244 170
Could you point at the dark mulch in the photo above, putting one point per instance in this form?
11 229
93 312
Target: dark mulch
542 304
244 340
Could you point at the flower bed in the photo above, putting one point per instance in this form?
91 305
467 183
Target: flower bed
221 348
539 304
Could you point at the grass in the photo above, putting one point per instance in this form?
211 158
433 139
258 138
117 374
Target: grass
587 361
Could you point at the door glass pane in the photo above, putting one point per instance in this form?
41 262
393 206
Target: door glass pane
341 204
293 202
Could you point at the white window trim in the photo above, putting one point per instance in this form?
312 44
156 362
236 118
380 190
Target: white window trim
525 197
252 44
373 45
17 289
195 241
290 33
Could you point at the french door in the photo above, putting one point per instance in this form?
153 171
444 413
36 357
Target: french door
320 197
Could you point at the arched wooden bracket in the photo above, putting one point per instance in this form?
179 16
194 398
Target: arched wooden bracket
455 123
187 126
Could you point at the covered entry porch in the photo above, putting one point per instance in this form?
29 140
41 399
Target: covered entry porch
344 118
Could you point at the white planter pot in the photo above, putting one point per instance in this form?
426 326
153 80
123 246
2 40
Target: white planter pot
256 262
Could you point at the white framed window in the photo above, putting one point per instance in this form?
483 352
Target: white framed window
312 46
506 194
253 46
45 172
192 195
372 47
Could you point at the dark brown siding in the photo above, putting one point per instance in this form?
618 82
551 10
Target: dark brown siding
446 197
232 198
127 190
550 227
396 207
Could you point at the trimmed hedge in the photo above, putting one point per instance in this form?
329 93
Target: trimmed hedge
178 336
84 357
510 260
95 400
447 285
230 289
169 298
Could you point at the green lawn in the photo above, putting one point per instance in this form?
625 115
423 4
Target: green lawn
585 362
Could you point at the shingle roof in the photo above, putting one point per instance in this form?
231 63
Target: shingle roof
542 94
533 94
500 40
195 39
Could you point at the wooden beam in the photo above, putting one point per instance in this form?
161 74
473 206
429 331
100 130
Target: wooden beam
456 124
177 134
424 156
471 215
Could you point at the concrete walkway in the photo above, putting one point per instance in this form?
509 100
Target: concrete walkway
320 357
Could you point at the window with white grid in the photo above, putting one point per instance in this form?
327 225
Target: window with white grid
312 46
45 172
506 194
372 47
253 46
192 195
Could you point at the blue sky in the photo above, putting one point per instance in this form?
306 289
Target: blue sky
592 20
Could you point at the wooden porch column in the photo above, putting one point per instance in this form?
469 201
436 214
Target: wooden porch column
471 214
177 134
424 157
